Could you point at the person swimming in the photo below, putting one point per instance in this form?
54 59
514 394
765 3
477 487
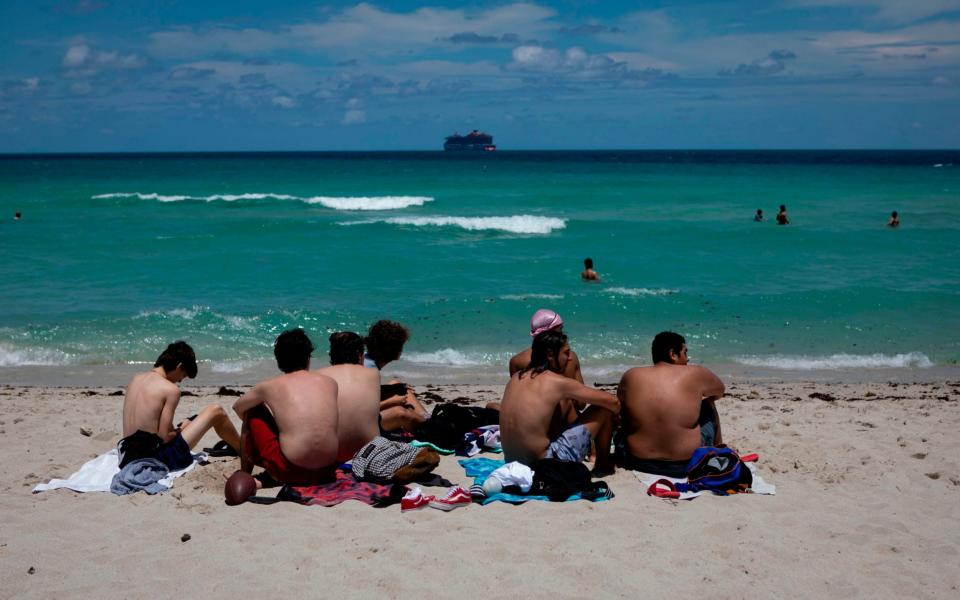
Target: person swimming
894 220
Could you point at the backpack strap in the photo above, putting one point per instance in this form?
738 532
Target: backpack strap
750 457
669 492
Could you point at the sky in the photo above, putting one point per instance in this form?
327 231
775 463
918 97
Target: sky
238 75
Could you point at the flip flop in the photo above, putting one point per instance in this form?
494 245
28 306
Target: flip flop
221 448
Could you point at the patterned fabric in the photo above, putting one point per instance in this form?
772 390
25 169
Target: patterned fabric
381 458
346 487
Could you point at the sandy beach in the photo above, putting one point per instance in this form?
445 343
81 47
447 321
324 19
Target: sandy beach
867 476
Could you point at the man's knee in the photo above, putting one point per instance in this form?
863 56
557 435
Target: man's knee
215 413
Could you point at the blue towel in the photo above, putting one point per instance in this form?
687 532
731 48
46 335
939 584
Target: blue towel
480 468
143 474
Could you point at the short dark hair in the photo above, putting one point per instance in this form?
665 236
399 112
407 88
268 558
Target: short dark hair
385 341
543 344
346 347
588 263
178 353
893 214
292 350
663 343
783 207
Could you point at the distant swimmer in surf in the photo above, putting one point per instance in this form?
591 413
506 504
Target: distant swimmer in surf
588 274
782 216
16 216
759 216
894 220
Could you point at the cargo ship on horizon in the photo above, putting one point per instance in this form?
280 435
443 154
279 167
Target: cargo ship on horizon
475 141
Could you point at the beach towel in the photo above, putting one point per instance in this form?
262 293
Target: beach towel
480 468
346 487
759 486
143 474
96 474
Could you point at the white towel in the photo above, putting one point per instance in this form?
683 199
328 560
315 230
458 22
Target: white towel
96 474
759 486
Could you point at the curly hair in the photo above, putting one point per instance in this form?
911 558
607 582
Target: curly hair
385 341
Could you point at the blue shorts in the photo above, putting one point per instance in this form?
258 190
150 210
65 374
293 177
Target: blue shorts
573 445
175 454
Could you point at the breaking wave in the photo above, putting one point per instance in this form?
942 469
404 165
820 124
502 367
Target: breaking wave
514 224
838 361
450 357
18 357
622 291
334 202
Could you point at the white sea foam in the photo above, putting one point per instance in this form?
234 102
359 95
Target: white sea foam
622 291
531 297
838 361
449 357
18 357
369 203
334 202
513 224
231 366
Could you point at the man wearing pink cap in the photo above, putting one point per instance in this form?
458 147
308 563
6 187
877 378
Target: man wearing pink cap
547 320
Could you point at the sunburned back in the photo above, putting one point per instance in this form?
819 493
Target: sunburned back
304 405
358 406
144 402
529 416
661 406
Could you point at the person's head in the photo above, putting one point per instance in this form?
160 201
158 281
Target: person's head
549 352
16 215
783 208
292 350
385 341
588 263
669 347
346 348
894 214
178 355
759 212
544 320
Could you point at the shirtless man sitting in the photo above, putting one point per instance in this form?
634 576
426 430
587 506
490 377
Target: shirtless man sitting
668 410
358 396
152 398
532 425
547 320
399 407
290 421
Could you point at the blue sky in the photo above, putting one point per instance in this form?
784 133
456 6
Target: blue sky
105 75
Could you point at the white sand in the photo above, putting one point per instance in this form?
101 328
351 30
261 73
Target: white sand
867 505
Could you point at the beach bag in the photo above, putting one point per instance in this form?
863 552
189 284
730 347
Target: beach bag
558 480
711 469
383 460
450 422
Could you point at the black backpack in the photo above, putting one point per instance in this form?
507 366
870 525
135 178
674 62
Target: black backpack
558 480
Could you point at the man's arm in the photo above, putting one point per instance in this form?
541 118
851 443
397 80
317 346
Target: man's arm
251 399
165 428
710 385
582 393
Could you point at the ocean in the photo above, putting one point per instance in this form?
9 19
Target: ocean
117 255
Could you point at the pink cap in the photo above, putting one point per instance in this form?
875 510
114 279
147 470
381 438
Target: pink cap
544 320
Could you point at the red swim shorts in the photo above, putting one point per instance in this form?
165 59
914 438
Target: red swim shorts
262 447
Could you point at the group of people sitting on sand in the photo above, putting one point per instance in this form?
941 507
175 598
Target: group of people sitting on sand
301 425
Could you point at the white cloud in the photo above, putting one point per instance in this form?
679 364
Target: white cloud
362 27
353 117
575 62
76 56
891 11
82 60
283 101
31 83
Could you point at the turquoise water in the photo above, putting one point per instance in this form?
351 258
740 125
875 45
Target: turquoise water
118 255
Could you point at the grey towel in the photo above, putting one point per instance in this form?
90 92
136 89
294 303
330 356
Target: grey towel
143 474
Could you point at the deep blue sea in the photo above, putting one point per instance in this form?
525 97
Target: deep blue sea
117 255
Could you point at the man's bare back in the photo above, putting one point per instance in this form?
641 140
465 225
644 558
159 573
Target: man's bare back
304 405
358 406
569 408
662 407
149 405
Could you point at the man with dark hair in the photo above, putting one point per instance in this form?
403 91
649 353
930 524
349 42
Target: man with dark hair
148 408
399 407
894 220
668 409
547 320
532 424
782 218
588 274
290 421
759 216
358 394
